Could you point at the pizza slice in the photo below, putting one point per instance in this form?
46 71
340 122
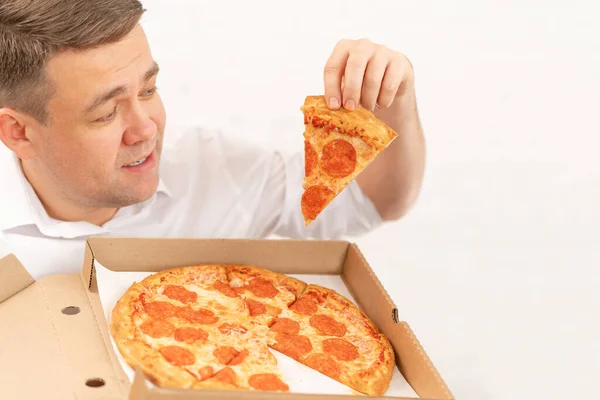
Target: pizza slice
266 293
188 328
169 323
338 145
244 362
327 332
253 367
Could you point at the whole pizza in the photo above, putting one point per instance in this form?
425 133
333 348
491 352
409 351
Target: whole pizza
212 326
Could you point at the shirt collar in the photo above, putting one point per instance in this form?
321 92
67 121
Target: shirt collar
21 205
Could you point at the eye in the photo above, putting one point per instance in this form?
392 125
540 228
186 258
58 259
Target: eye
108 117
149 92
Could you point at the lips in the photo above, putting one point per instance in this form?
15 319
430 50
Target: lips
142 166
138 161
133 164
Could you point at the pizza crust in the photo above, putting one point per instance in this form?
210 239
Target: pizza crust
135 352
359 122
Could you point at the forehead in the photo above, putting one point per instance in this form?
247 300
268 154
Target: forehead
80 74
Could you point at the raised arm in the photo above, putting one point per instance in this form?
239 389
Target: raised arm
362 73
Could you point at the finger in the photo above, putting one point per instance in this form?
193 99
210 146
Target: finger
354 75
373 78
333 72
392 79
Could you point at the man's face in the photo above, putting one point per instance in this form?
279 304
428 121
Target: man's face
104 117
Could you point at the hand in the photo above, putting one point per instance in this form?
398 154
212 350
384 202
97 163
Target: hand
360 72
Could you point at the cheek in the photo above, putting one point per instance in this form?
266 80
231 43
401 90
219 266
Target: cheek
102 150
91 154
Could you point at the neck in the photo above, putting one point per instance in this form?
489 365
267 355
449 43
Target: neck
57 205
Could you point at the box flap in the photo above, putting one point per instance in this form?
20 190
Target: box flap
374 300
13 277
416 366
53 348
141 254
367 289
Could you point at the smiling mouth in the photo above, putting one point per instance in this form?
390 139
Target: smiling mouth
138 162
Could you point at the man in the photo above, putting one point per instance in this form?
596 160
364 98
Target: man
83 128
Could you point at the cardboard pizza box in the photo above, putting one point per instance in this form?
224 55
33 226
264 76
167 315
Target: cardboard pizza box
60 346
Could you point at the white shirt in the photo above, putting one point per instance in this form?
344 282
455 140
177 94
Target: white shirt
210 187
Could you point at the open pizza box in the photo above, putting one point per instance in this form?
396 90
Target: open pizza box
56 343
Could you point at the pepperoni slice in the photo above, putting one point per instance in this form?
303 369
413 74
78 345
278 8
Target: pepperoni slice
267 382
327 326
305 306
340 348
314 200
177 355
157 328
311 158
226 375
324 364
205 372
225 354
262 288
190 335
256 307
294 346
285 325
227 328
161 309
239 289
201 316
181 294
339 158
239 358
225 289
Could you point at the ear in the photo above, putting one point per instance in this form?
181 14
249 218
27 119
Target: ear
13 133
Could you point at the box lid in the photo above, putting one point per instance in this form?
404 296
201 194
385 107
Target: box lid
13 277
51 345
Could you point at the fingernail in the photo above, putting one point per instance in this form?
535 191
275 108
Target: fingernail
350 105
333 102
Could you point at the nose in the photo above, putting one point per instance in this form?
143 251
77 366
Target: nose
140 127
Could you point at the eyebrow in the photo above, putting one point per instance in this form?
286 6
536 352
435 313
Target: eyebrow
119 90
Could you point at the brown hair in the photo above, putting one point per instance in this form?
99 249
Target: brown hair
32 31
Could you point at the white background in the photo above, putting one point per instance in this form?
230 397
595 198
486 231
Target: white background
496 266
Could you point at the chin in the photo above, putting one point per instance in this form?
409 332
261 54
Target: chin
148 192
142 192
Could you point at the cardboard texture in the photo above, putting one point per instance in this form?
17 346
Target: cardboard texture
48 354
71 349
13 277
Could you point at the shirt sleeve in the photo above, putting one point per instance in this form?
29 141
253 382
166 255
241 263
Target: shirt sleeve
351 213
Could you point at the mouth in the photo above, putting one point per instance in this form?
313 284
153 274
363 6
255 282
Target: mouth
144 164
138 162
